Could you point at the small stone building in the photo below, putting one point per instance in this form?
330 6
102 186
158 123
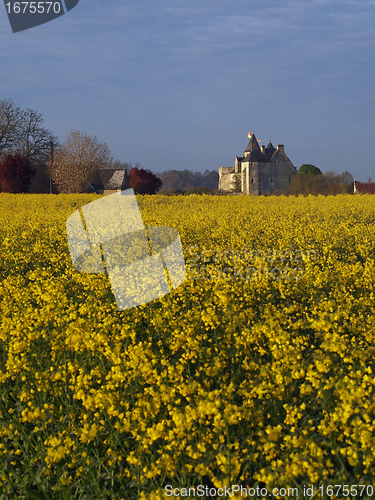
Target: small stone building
261 170
109 181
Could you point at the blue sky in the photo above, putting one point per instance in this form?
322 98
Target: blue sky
177 84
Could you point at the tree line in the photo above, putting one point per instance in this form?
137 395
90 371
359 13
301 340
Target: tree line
188 182
310 180
28 149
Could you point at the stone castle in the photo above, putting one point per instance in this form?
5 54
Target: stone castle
261 170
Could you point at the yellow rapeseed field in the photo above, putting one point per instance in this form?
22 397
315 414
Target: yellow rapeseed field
259 370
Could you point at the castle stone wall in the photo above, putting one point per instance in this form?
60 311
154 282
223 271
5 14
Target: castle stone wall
284 170
225 178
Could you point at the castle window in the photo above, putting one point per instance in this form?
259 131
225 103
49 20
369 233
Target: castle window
289 179
252 181
271 179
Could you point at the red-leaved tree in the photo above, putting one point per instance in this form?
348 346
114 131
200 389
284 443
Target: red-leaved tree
143 181
15 174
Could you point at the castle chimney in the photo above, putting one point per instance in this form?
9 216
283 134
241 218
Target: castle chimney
262 148
280 147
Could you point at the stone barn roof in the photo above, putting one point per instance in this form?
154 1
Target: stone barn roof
110 179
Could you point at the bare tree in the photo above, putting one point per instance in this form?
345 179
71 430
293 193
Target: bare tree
35 141
122 165
22 132
77 161
10 118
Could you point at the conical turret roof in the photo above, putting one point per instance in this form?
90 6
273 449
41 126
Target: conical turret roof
269 150
253 144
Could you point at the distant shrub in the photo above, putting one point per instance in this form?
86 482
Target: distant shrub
309 169
144 181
